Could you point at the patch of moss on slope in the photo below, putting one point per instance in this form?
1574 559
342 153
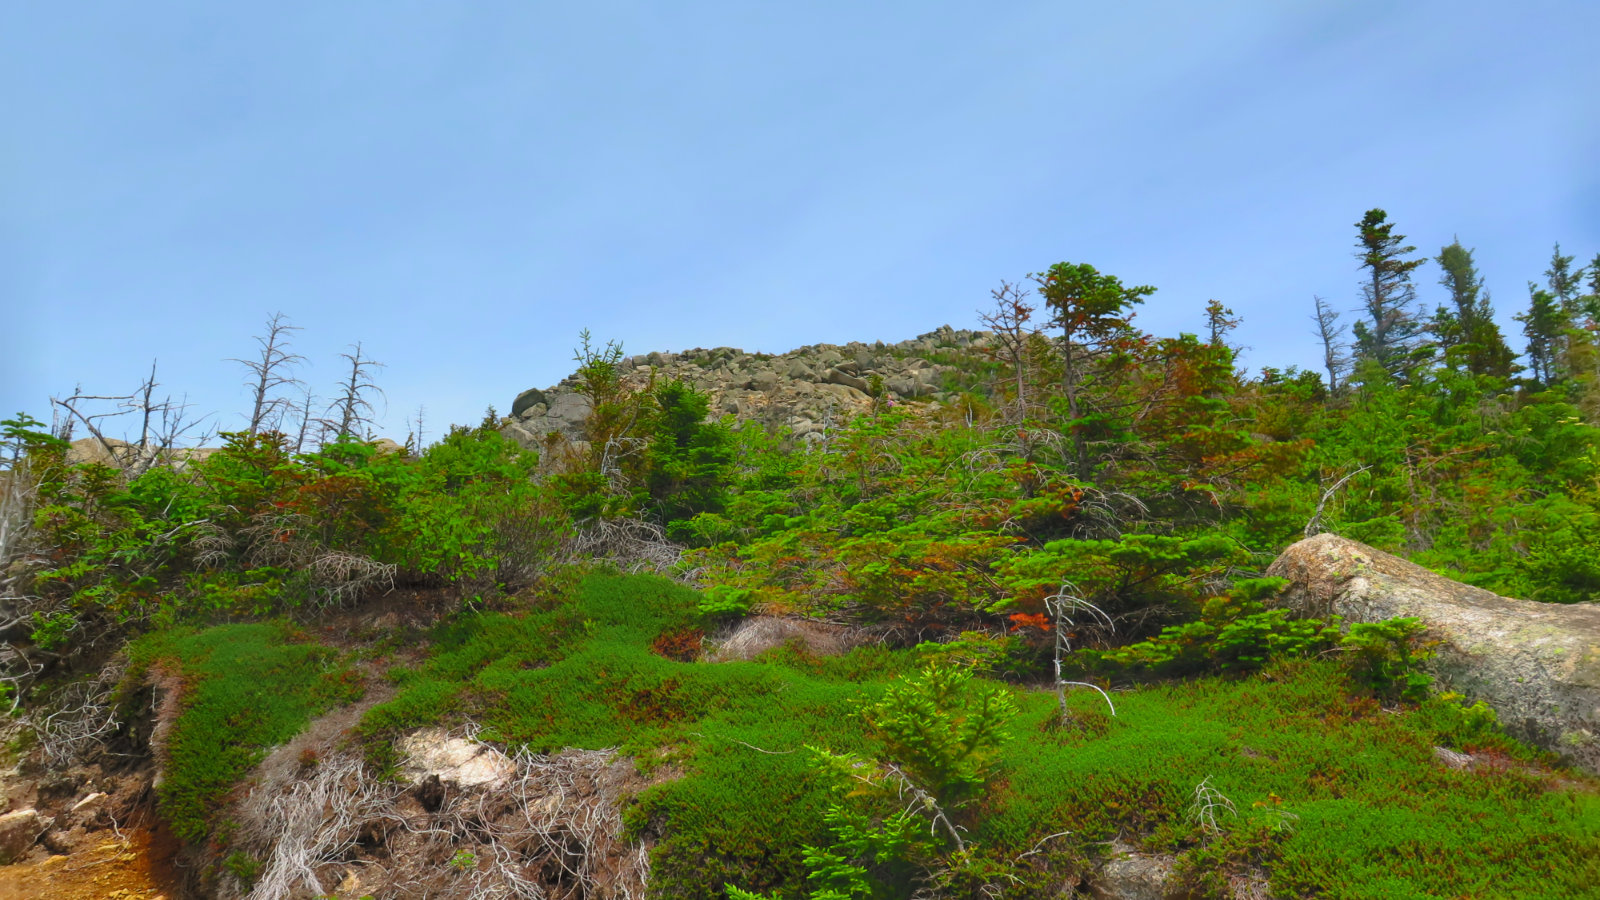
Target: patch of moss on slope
1372 812
246 689
1376 814
585 675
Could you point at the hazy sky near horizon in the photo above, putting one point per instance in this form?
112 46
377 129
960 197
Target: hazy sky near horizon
463 187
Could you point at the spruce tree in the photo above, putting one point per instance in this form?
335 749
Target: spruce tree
1393 335
1466 329
1544 325
1091 310
1589 304
1565 282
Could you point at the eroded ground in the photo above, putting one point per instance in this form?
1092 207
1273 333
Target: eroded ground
136 866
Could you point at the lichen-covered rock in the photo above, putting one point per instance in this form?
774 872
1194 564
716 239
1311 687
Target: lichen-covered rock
435 753
758 634
1131 875
1537 664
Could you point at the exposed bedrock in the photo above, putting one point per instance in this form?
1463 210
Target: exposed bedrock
804 390
1537 664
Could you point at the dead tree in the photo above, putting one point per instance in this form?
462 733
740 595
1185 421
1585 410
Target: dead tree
352 412
419 435
1335 354
1009 322
270 371
162 423
303 410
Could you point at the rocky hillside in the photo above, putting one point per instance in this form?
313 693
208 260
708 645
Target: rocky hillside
805 389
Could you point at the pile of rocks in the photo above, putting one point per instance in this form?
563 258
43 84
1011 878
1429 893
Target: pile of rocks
805 390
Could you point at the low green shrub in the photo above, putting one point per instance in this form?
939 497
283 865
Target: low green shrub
245 689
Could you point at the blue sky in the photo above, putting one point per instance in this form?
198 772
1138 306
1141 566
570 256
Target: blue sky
462 187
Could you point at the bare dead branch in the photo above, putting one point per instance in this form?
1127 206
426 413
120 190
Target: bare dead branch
632 545
83 717
551 828
340 577
1314 526
1065 603
352 412
270 371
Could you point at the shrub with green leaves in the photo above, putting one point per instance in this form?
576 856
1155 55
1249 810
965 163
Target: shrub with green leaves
939 735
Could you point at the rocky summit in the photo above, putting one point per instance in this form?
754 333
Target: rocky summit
805 390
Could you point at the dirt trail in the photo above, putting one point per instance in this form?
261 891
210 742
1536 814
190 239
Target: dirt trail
139 867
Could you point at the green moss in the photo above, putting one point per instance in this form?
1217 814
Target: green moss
1377 815
246 688
1298 739
584 675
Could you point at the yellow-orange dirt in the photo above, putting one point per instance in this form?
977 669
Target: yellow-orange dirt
137 867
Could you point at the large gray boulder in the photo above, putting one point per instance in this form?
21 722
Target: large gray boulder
1537 664
526 400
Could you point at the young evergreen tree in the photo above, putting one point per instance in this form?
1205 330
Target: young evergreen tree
688 460
1393 335
1466 329
1565 282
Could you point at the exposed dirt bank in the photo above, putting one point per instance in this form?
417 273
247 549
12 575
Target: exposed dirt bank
138 866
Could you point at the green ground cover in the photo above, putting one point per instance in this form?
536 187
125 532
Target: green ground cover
1335 795
245 689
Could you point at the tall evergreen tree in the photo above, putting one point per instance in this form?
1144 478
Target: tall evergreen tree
1544 324
1466 329
1091 310
1388 296
1219 321
1589 304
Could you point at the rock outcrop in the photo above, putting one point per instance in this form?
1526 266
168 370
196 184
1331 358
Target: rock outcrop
804 390
1537 664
